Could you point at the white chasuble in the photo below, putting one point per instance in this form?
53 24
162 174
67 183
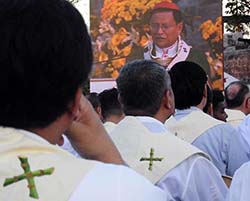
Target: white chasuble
150 154
192 126
42 165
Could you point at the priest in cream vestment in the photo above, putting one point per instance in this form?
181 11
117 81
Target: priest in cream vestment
45 57
179 168
216 138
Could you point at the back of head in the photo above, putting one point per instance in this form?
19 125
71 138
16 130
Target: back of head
109 103
94 99
218 97
219 106
208 107
141 85
45 55
235 94
188 81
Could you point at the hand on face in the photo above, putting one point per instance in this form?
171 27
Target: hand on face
89 138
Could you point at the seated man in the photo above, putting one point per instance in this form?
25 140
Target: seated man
144 143
45 56
214 137
111 108
237 96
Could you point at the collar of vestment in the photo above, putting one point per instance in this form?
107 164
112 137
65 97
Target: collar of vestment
179 51
152 124
33 136
109 126
191 123
235 117
182 113
170 51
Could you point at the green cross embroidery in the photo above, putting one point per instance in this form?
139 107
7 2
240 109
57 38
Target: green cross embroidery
151 159
29 175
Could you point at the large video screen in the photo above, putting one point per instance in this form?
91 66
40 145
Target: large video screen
124 30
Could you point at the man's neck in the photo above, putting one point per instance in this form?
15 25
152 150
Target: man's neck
115 118
162 117
54 131
203 103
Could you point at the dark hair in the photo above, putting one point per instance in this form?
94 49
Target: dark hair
176 14
94 99
188 81
209 100
109 103
235 98
45 56
218 97
141 85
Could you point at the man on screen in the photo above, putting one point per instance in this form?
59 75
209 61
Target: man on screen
167 46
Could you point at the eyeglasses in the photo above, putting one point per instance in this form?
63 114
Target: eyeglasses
164 27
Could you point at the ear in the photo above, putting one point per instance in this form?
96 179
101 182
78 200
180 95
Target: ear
74 106
180 27
247 103
119 99
61 141
205 91
168 100
99 112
